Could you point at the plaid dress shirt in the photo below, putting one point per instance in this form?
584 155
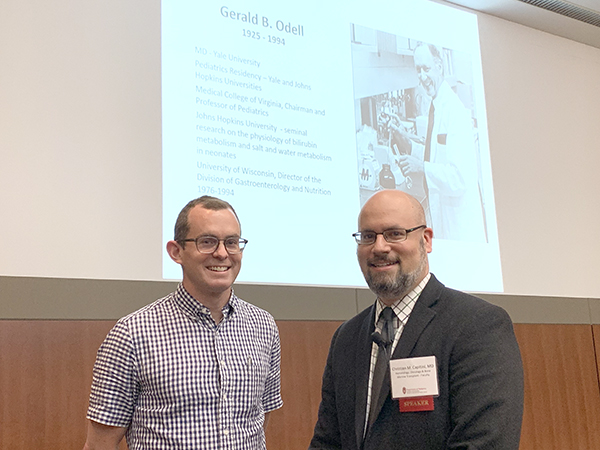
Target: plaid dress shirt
177 380
402 309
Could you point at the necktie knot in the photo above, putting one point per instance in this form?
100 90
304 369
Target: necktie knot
387 314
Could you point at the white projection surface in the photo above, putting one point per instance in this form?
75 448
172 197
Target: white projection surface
292 111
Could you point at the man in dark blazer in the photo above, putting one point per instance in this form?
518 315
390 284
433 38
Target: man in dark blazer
479 369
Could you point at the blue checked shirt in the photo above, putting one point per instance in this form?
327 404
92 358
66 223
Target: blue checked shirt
176 379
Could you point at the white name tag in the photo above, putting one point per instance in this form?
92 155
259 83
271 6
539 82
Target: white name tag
414 377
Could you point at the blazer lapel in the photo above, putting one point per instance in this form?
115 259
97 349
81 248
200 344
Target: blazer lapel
363 364
419 318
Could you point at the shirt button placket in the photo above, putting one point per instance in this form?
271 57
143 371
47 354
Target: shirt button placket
223 376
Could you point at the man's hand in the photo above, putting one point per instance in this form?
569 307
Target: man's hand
409 165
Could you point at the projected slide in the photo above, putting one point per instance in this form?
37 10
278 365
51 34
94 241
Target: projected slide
297 114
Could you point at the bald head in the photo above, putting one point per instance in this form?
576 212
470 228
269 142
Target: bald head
393 202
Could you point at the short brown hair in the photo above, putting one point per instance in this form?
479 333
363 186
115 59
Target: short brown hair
182 225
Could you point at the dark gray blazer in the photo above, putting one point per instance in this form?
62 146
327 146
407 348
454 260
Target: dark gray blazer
480 375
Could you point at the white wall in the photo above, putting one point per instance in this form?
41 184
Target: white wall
543 99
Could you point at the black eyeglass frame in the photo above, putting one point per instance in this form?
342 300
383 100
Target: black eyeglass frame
358 234
241 241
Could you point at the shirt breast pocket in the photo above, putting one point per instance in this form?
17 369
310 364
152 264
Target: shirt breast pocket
254 375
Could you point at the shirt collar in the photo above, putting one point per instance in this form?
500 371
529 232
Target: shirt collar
194 308
403 307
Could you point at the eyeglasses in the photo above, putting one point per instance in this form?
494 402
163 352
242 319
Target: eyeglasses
394 235
208 244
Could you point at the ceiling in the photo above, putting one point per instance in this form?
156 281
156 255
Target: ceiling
542 19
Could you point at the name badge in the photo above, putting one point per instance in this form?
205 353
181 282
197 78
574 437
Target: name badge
414 382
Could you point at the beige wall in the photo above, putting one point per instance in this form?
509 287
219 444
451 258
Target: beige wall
55 298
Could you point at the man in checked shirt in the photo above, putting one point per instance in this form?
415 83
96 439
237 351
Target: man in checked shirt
197 369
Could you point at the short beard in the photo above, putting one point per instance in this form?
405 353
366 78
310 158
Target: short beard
388 288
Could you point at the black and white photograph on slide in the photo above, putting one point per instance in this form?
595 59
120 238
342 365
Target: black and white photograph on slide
416 129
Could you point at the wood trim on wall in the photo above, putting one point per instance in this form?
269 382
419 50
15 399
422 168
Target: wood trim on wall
596 333
562 397
45 376
304 348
